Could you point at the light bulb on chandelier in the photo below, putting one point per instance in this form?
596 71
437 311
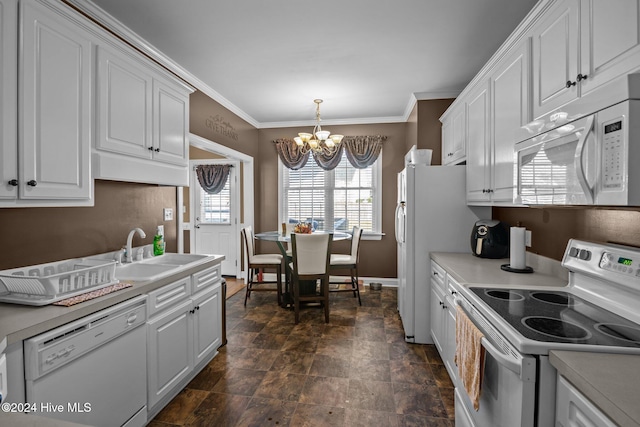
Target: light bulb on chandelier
319 140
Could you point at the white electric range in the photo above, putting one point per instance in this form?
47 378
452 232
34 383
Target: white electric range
598 312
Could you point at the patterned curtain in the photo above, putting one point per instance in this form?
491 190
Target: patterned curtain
212 178
290 154
362 152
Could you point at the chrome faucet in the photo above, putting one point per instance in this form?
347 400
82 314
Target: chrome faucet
129 253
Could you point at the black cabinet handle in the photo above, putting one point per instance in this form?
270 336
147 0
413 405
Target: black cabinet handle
32 183
570 83
150 148
581 77
13 182
157 150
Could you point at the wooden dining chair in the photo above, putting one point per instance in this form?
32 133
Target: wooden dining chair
311 256
349 262
260 262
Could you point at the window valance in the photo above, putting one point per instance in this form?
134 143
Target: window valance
361 151
212 178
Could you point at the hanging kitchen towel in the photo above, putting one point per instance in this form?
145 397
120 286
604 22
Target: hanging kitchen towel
469 356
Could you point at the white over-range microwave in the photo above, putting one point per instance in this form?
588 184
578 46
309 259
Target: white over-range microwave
594 160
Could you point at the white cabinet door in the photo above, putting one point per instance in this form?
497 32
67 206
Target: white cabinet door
207 330
609 42
437 302
478 146
56 106
171 118
454 137
170 350
574 409
124 105
449 328
555 57
510 98
8 99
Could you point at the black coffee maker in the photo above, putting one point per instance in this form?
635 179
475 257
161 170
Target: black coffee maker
490 239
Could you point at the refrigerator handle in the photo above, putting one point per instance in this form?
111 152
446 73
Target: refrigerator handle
400 220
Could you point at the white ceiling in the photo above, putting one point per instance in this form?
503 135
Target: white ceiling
368 59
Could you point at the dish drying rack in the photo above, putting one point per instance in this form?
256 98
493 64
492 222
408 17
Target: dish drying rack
47 283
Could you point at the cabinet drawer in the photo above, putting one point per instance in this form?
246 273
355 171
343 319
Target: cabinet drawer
205 278
169 295
451 290
438 275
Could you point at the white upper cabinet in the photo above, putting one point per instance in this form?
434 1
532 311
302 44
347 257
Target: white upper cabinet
555 57
124 107
55 98
578 45
478 145
454 140
8 99
609 41
170 136
511 110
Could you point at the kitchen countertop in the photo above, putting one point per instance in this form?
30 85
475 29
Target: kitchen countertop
610 381
18 322
468 270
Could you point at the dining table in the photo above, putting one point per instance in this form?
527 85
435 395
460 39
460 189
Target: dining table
282 238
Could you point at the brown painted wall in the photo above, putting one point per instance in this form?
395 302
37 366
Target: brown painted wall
551 228
430 128
38 235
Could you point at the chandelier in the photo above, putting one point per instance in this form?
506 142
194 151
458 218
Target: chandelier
319 140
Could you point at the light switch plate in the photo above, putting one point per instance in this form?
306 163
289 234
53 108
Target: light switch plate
168 214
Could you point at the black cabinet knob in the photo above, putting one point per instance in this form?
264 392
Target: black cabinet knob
150 148
13 182
570 83
32 183
157 150
581 77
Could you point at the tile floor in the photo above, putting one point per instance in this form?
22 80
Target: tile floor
355 371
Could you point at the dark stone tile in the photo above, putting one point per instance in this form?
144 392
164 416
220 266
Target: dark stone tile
260 316
418 399
412 420
338 332
268 341
370 334
412 372
327 366
370 350
206 379
264 412
277 327
239 381
308 415
300 344
241 339
407 352
326 391
219 409
255 358
181 406
370 321
448 398
307 330
281 386
371 395
293 362
362 418
338 348
370 369
432 354
245 325
442 376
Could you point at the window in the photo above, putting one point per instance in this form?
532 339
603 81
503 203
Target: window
332 200
214 208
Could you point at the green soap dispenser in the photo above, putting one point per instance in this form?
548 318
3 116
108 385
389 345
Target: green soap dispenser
158 241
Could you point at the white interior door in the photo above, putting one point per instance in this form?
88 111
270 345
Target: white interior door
215 218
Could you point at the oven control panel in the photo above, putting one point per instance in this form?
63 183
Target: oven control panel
621 263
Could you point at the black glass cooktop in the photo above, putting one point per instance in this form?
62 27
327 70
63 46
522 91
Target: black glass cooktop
557 316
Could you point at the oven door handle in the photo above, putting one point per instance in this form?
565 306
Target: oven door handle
499 356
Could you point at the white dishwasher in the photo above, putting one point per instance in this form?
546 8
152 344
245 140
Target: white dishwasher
93 370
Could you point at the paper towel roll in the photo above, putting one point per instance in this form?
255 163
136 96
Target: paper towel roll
517 248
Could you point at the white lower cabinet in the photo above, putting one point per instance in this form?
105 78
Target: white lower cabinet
183 332
443 318
573 409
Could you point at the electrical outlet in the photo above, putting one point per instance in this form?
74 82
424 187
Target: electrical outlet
168 214
527 238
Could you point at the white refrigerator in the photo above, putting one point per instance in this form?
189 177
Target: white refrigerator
431 216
